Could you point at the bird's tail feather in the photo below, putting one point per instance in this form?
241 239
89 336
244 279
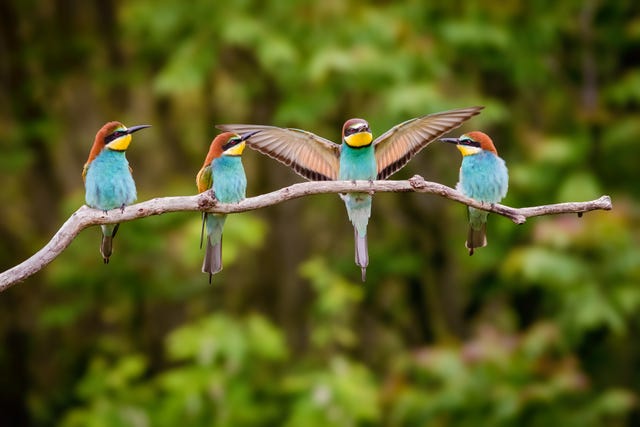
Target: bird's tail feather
106 245
212 263
204 220
477 237
362 253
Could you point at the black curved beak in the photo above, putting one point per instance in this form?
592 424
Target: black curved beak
133 129
450 140
248 135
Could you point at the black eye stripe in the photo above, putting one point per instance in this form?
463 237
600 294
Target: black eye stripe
115 135
351 130
470 143
230 143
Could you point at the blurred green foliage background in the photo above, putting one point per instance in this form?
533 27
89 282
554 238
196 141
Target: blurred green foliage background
539 328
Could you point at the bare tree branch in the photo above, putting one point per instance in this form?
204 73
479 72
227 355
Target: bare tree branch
85 217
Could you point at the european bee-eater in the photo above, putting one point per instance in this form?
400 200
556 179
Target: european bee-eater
222 171
107 176
359 157
483 177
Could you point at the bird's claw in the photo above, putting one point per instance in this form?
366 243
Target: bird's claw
489 205
371 192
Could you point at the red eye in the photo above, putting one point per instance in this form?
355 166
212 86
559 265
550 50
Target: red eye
470 142
232 142
115 135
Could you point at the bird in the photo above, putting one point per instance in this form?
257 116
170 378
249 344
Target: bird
107 177
358 157
483 177
223 172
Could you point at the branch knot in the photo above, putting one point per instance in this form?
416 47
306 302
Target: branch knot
417 182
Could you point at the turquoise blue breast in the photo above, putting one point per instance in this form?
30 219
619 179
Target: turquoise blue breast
484 177
357 163
229 179
108 182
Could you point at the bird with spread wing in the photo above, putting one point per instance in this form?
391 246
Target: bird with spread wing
359 157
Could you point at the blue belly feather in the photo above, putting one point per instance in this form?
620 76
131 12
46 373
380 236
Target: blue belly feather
483 177
229 186
229 179
358 164
108 181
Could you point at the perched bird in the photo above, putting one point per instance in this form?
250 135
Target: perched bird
359 157
222 171
107 176
483 177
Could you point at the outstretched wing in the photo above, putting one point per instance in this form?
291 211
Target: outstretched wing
309 155
399 144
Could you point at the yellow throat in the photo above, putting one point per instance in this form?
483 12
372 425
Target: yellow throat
235 150
120 144
359 139
468 151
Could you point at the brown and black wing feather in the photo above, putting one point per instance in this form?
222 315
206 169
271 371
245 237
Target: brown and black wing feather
309 155
399 144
